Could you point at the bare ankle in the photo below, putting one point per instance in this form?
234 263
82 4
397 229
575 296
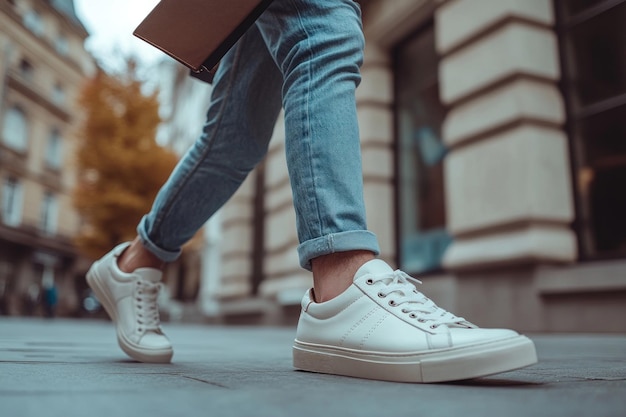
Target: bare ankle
137 256
333 273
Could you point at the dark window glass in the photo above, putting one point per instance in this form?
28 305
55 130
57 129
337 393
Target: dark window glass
604 137
26 69
594 71
597 55
420 153
574 8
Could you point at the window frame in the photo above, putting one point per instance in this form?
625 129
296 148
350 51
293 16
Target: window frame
62 44
12 215
8 137
59 94
33 21
54 157
48 222
432 237
574 115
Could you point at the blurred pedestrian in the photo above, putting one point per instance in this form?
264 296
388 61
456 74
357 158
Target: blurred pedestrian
50 299
361 318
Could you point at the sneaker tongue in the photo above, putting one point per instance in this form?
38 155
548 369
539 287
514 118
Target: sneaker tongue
373 267
149 274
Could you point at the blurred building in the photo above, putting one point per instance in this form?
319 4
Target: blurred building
494 151
42 66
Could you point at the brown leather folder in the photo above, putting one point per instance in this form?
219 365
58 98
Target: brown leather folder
198 33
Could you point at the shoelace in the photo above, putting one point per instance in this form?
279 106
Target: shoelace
147 308
413 302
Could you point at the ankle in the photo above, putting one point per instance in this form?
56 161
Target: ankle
137 256
334 273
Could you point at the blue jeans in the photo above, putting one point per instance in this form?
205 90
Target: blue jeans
303 56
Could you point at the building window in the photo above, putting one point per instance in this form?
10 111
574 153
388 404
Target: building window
62 45
49 213
27 70
593 51
58 94
11 202
14 129
33 21
54 150
420 153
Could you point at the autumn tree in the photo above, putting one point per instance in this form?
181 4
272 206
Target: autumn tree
120 165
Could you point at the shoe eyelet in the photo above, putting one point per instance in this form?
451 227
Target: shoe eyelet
370 282
392 303
413 316
405 311
381 295
421 320
434 326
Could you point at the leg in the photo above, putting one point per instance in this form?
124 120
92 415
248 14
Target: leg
334 273
320 67
318 47
379 326
245 104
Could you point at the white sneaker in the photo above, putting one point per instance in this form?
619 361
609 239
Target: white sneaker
383 328
131 301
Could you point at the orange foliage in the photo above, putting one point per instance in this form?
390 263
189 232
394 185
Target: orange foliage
120 165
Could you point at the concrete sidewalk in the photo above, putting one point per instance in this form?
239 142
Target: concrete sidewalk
70 368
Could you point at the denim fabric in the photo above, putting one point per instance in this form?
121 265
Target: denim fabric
303 55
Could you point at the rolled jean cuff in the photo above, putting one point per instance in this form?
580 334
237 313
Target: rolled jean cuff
337 242
162 254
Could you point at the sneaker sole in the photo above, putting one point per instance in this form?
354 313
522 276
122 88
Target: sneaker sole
136 352
436 366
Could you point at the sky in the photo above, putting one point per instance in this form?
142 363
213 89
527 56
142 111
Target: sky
111 24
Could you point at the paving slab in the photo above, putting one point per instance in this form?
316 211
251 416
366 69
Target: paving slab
69 368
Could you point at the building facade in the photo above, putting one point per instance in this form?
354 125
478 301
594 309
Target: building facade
493 160
42 66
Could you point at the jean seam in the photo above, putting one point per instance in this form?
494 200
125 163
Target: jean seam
167 207
308 117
